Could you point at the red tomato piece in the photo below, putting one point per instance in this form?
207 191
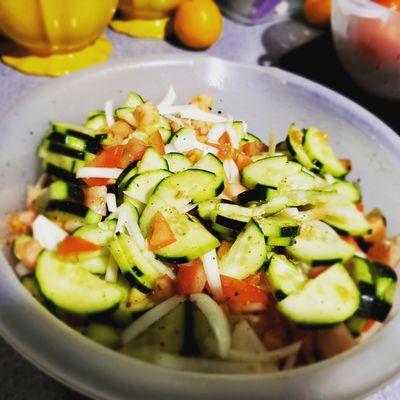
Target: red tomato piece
155 140
393 4
253 148
380 252
107 158
133 151
316 271
241 160
161 234
191 278
73 244
240 292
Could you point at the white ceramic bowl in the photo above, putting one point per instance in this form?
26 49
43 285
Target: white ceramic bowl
268 99
367 40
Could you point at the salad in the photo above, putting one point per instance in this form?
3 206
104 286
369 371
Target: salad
170 233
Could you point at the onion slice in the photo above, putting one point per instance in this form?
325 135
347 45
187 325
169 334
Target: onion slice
210 263
238 355
173 110
169 98
216 132
21 270
245 339
47 233
149 318
217 320
231 171
201 115
232 133
112 270
206 365
111 202
109 111
98 172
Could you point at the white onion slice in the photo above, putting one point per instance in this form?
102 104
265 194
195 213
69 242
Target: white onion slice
47 233
206 365
266 356
231 171
201 115
272 143
216 132
231 132
245 339
109 111
41 181
111 202
121 219
169 98
111 271
210 263
21 270
140 196
166 110
174 119
149 318
188 141
217 320
187 208
97 172
133 228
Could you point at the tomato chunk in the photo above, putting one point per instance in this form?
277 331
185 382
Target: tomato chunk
161 234
74 244
133 151
107 158
253 148
155 140
191 278
241 160
240 292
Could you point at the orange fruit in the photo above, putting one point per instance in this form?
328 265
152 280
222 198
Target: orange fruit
317 12
198 23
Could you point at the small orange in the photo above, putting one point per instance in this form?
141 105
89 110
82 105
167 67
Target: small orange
317 12
198 23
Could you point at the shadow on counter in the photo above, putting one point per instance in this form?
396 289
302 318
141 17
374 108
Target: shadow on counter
316 59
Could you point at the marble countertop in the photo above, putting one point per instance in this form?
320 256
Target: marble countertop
254 45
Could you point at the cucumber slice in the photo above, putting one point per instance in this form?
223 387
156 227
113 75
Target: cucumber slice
59 209
96 262
269 172
166 335
72 142
247 254
135 262
177 191
347 219
103 334
284 276
279 241
61 173
73 130
59 190
278 226
318 149
304 180
294 143
96 121
192 239
213 164
133 100
329 299
151 161
356 325
141 186
260 194
73 289
319 244
347 190
236 217
177 162
126 114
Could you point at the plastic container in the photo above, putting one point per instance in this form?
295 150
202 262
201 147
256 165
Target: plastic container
251 12
367 40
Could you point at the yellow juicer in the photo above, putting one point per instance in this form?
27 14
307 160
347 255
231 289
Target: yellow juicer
144 18
53 37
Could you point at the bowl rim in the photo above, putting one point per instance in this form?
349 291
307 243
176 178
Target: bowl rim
65 372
